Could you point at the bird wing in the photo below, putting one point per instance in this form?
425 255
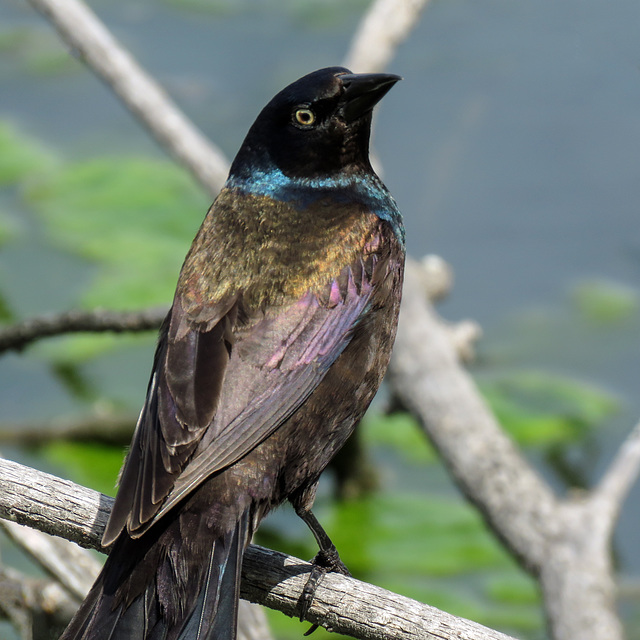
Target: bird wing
220 389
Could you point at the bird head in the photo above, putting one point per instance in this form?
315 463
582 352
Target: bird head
317 126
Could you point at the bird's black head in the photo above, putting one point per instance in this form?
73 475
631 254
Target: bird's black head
317 126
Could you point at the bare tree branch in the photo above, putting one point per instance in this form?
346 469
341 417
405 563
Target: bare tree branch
619 477
577 577
348 606
53 505
565 544
113 429
18 336
345 605
73 567
386 24
426 376
38 609
79 27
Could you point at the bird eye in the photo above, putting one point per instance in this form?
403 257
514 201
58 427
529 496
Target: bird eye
304 117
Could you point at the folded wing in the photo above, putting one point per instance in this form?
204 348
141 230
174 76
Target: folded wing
220 388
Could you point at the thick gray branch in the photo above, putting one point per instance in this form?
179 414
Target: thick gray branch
428 379
349 606
46 503
564 543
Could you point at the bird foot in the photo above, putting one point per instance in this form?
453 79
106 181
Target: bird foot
326 561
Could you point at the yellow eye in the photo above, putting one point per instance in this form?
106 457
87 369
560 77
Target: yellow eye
304 116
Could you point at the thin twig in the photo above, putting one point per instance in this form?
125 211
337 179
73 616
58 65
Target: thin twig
112 429
18 336
38 609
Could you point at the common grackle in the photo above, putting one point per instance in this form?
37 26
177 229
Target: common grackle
278 338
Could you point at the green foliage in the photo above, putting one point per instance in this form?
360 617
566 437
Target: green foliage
327 15
129 222
214 7
65 351
135 218
543 409
399 431
412 534
513 589
19 158
606 303
319 13
6 233
6 315
19 155
536 408
430 548
88 464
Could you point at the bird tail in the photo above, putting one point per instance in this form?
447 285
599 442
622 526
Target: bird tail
215 616
208 609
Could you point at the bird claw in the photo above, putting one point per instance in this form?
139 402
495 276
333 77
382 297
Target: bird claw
326 561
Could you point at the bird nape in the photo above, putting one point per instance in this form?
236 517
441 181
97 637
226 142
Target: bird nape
279 335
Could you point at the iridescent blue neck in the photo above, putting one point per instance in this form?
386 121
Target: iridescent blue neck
365 188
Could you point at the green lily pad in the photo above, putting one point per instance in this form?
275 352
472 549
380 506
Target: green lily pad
542 409
606 303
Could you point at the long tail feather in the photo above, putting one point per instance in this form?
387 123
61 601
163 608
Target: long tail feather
206 610
215 616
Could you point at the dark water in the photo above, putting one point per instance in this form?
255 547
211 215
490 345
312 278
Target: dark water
512 147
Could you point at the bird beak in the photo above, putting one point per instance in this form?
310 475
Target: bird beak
362 91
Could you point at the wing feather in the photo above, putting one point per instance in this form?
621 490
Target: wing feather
219 389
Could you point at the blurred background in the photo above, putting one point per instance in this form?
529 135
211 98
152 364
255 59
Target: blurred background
513 149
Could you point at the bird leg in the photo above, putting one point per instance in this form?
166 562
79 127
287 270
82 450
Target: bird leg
327 560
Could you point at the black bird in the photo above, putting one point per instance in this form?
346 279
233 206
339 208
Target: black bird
278 338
